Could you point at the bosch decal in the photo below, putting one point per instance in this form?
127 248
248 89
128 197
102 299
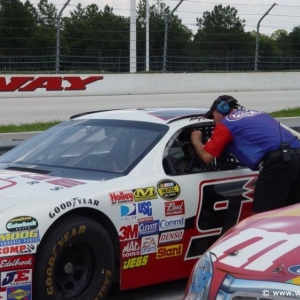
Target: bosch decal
174 208
49 83
142 194
169 251
168 189
122 197
21 223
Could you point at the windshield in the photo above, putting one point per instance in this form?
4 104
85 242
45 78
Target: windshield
99 145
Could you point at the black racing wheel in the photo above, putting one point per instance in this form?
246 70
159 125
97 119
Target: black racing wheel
75 261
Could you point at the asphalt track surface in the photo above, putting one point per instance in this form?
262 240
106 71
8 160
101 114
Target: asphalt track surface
29 110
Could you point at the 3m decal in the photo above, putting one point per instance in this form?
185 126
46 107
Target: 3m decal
258 248
142 194
122 197
49 83
129 232
18 277
13 263
169 251
135 262
168 189
21 223
222 204
174 208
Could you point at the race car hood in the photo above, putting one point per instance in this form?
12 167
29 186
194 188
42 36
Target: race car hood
264 245
21 184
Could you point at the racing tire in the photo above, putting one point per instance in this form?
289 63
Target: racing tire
74 262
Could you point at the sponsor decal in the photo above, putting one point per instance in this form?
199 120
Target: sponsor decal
16 277
22 223
131 248
128 212
168 189
171 223
174 208
19 293
149 244
171 236
49 83
52 260
19 237
148 228
71 204
169 251
13 263
129 232
295 269
11 250
142 194
135 262
145 209
122 197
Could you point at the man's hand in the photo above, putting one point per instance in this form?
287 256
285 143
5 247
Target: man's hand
196 137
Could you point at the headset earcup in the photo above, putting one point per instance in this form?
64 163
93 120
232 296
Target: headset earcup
223 108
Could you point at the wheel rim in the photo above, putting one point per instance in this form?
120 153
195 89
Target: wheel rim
75 270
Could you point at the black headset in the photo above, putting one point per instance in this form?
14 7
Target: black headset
224 106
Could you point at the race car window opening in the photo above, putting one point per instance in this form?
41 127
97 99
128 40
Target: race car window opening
181 157
99 145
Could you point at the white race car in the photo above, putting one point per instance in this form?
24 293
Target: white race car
113 196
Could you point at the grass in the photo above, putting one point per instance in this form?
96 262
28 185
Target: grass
41 126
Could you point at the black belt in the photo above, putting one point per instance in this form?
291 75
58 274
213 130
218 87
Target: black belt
279 152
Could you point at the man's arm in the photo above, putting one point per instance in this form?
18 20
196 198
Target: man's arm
196 138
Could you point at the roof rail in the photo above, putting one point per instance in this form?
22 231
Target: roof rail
92 112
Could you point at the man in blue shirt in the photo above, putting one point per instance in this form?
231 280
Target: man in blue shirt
259 142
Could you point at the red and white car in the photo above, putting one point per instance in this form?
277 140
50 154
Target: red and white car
102 197
256 259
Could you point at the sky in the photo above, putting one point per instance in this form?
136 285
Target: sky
284 15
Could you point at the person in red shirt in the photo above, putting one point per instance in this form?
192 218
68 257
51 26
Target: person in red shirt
259 142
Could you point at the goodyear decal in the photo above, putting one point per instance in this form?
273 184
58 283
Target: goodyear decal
142 194
168 189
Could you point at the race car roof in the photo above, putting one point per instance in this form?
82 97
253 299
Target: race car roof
157 115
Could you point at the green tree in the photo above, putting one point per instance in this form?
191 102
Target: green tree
220 32
17 24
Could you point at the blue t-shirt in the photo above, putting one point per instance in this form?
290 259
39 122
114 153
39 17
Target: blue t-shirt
249 135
